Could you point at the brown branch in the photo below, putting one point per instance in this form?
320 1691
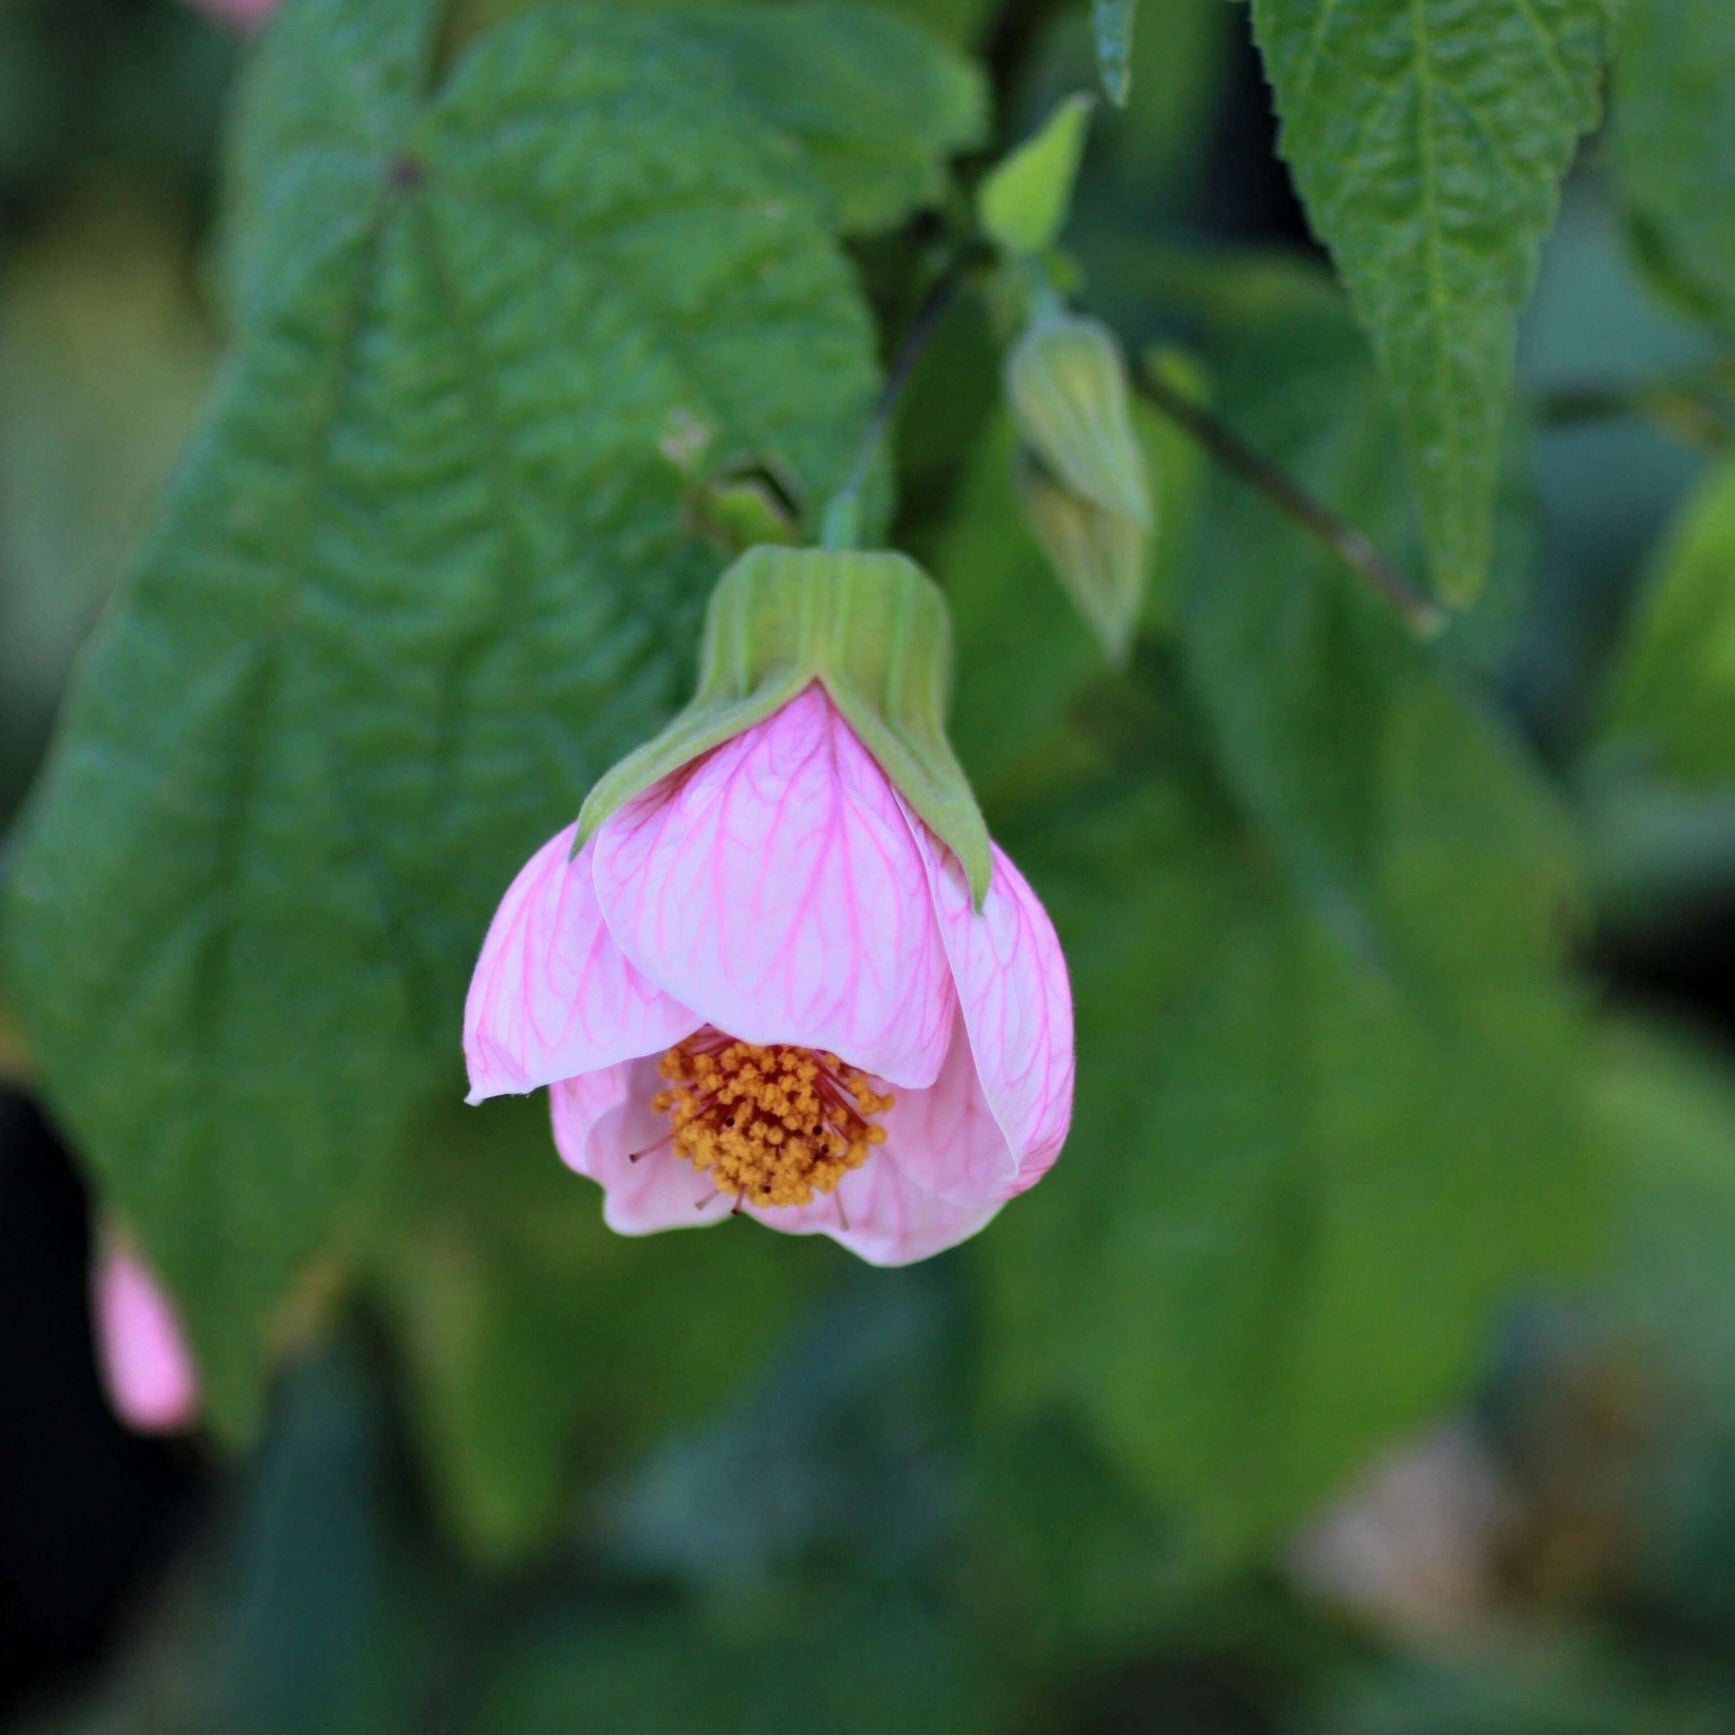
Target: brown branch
1686 408
1353 549
841 514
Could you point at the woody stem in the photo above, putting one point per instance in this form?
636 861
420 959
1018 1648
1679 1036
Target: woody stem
1347 543
842 523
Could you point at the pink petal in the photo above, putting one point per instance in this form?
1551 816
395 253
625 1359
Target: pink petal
1016 1003
600 1119
775 887
947 1137
144 1360
881 1215
553 995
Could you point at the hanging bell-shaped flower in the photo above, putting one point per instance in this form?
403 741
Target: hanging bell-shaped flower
777 968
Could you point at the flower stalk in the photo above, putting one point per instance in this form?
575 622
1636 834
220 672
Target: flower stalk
1420 613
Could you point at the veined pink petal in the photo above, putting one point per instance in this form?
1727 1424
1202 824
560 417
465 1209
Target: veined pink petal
1016 1003
881 1214
144 1359
774 886
553 995
946 1136
600 1120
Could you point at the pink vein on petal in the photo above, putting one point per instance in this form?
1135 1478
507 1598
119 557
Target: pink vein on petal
888 1217
1016 1001
553 995
601 1122
774 887
946 1137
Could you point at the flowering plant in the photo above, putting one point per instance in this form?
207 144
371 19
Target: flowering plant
841 629
762 983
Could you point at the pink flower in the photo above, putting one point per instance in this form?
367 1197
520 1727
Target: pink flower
144 1360
761 986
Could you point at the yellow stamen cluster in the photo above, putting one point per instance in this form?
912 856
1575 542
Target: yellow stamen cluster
772 1126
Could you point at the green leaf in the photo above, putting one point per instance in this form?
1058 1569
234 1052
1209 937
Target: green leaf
1303 1174
1674 86
1673 690
1112 20
962 22
878 105
1660 850
857 1661
1025 198
1307 681
537 1342
1180 65
311 1589
856 1427
1071 1545
1428 139
1323 1026
1659 784
1667 1103
424 575
1545 1690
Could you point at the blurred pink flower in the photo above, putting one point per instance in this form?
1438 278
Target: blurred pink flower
144 1359
247 14
761 986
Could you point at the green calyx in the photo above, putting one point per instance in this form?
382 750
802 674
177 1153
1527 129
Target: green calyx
873 630
1066 384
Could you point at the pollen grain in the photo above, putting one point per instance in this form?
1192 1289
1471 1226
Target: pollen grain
771 1125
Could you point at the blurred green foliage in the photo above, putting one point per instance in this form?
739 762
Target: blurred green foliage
399 450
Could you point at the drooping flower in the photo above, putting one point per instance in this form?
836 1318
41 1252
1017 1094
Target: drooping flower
785 973
143 1357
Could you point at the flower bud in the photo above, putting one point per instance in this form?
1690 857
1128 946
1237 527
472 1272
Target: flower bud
1067 385
1101 558
872 629
1025 199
